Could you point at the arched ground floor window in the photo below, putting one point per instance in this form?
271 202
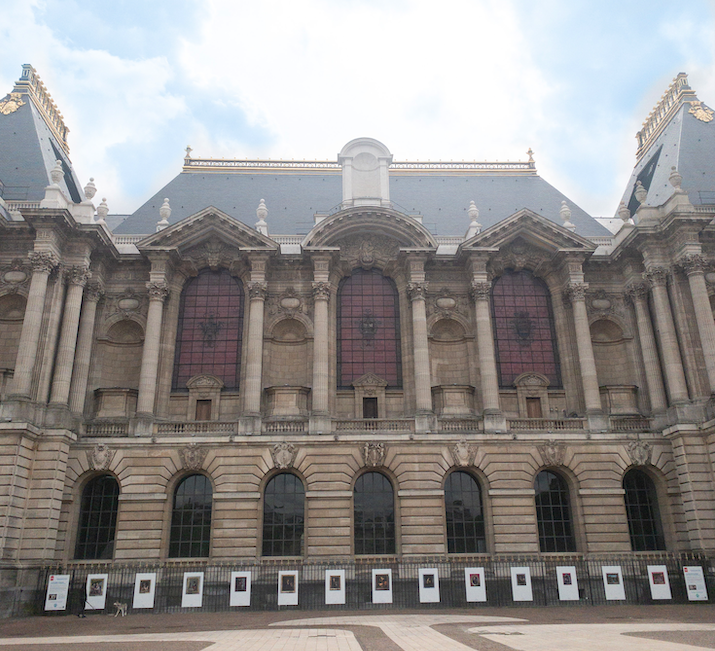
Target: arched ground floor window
553 513
644 523
374 514
97 519
283 516
464 515
191 518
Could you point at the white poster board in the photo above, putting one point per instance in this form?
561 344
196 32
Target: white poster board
382 586
334 587
521 584
193 593
475 584
240 589
695 583
429 585
96 592
144 590
613 582
659 582
567 582
287 588
57 588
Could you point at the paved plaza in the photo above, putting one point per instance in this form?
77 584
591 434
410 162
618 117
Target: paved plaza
628 628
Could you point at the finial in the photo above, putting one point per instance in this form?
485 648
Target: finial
675 178
641 193
90 189
531 155
188 151
262 213
565 213
624 213
56 173
102 212
164 213
474 226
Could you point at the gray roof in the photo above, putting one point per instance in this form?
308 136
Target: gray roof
293 196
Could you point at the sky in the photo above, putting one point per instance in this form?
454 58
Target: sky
138 81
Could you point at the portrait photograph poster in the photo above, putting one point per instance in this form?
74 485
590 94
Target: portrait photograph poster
382 586
521 584
57 589
96 596
659 582
695 583
613 582
429 585
475 583
144 589
240 589
334 587
567 582
287 588
193 592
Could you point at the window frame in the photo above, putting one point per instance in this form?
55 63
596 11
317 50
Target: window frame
484 540
391 543
571 538
83 515
181 481
656 518
299 540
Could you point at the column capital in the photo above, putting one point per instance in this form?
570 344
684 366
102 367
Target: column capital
78 275
321 291
693 264
637 291
656 276
258 290
417 291
94 292
43 261
575 292
157 291
480 291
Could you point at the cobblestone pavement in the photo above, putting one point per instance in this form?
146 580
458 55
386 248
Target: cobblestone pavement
628 628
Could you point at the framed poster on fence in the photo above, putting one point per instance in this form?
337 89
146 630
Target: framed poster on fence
58 586
382 586
240 589
144 590
429 585
521 584
613 582
334 587
193 592
96 591
475 583
659 582
695 583
287 588
568 582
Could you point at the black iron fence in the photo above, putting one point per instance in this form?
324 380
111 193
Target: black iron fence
358 582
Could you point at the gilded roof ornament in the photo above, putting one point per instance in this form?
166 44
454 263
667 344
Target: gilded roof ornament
11 103
700 111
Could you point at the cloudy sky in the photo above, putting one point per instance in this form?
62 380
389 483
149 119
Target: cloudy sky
138 80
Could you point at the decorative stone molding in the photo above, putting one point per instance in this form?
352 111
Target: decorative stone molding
77 275
290 303
43 261
694 264
370 386
258 290
417 291
157 291
637 291
127 304
368 251
373 454
212 253
283 455
575 292
639 452
204 387
192 457
94 292
100 457
321 291
531 380
552 453
700 111
463 453
480 291
15 275
517 256
656 276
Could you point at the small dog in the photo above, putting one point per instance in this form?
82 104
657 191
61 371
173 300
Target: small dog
121 608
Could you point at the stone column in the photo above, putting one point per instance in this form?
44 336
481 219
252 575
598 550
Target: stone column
576 293
321 298
481 291
674 375
257 291
158 291
53 335
43 262
420 351
78 389
77 278
695 267
656 391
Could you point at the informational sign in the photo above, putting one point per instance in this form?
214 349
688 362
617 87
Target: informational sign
144 590
695 583
193 593
382 586
334 587
96 596
567 582
240 589
659 582
429 585
57 588
521 584
613 582
287 588
475 584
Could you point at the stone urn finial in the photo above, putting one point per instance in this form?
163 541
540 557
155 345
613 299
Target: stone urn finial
474 226
90 189
624 213
102 212
164 213
641 193
565 213
262 213
56 173
675 178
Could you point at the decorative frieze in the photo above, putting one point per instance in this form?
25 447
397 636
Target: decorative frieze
368 251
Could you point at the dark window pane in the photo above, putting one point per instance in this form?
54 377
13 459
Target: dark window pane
553 514
642 511
465 517
190 534
374 515
97 519
283 508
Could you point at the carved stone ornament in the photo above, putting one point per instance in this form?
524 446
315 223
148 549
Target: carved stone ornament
700 111
283 455
374 454
517 256
368 251
656 276
694 264
463 453
552 453
43 261
100 457
640 452
531 380
480 291
126 304
637 291
157 291
417 291
94 292
212 254
192 457
369 380
321 291
258 290
15 275
78 275
575 292
10 103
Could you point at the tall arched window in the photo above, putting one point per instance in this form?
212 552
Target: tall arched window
97 519
374 514
191 518
283 516
465 517
553 513
524 335
644 523
208 338
368 329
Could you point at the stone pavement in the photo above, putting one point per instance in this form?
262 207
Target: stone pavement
609 628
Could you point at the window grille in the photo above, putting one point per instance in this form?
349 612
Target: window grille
374 511
644 523
553 513
283 516
465 516
191 518
97 519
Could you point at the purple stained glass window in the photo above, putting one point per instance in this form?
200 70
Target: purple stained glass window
368 329
208 339
524 336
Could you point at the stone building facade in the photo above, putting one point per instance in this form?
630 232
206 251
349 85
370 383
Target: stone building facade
371 383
